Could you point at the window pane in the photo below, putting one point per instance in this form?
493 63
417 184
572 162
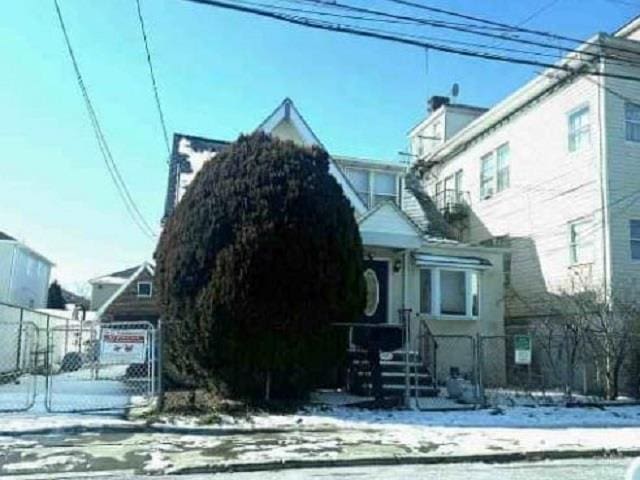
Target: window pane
359 179
425 291
635 249
634 227
487 167
581 242
384 183
453 298
633 131
377 199
579 130
503 167
632 112
475 295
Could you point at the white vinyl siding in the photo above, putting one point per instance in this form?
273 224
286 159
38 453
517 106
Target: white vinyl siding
632 122
579 129
449 293
634 239
581 234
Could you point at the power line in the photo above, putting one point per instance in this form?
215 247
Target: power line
310 23
153 79
469 29
493 23
130 205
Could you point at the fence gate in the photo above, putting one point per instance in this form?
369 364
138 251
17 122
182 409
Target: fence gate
18 365
111 366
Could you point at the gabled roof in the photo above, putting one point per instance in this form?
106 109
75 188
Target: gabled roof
118 277
132 278
285 121
4 236
287 112
386 225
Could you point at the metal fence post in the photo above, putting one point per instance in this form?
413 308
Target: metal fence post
19 349
480 369
160 369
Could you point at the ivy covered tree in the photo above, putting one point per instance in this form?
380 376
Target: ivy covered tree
55 299
259 259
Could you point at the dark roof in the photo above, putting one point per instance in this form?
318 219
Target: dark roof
124 273
70 297
4 236
180 163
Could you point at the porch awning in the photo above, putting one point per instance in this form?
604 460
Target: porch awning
430 260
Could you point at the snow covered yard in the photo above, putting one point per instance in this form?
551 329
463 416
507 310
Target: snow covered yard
325 434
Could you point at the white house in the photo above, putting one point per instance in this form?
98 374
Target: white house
24 274
448 286
552 172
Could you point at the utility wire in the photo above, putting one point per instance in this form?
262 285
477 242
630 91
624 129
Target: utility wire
153 80
306 22
493 23
130 205
473 30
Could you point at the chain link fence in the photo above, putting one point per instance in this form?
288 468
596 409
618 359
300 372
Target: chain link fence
533 367
110 367
71 366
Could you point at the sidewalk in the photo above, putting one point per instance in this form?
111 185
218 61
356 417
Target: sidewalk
335 437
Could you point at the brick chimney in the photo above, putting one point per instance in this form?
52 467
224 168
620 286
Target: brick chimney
436 101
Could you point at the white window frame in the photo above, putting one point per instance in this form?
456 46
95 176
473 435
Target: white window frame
491 182
436 294
371 194
505 167
145 282
572 135
575 244
633 240
630 122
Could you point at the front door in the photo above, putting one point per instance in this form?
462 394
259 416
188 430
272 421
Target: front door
376 276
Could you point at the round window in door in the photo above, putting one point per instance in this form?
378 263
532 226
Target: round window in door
373 292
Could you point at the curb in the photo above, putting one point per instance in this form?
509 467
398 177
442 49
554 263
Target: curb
151 429
534 456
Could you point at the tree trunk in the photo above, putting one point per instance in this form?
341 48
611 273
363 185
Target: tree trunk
267 387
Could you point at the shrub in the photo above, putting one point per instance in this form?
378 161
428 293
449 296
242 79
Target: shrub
260 257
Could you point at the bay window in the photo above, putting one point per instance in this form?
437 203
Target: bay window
449 292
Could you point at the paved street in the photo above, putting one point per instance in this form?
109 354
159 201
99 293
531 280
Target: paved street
554 470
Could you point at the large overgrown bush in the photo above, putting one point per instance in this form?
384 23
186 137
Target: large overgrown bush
261 256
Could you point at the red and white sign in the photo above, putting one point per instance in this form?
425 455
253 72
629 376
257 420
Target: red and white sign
123 346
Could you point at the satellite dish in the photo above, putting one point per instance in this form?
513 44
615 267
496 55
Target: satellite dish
455 90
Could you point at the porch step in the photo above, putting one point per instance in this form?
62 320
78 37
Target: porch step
421 390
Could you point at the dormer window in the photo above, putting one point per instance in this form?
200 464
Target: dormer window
145 289
374 186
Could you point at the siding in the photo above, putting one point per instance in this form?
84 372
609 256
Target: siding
100 293
6 258
549 188
128 307
623 186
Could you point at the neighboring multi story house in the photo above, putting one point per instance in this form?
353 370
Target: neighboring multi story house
552 172
24 274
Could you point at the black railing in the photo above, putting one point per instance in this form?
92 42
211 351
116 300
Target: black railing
452 204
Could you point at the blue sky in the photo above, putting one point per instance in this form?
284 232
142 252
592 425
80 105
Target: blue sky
220 73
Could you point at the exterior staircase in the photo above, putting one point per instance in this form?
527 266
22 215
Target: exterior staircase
393 369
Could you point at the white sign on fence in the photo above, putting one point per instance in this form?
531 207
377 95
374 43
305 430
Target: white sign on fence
123 346
522 345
